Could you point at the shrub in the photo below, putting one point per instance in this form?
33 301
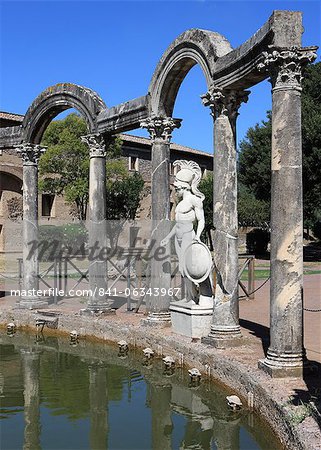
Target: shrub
75 236
15 208
317 230
50 242
54 239
257 241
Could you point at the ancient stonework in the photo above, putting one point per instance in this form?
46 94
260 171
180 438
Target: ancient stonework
273 51
160 127
30 153
97 221
96 144
285 65
224 101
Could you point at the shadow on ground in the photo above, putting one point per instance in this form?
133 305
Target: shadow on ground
311 397
257 330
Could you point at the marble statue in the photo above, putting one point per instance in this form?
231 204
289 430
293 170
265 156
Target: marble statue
194 258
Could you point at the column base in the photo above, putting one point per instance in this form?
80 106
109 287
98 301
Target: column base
284 365
224 337
158 319
96 309
31 303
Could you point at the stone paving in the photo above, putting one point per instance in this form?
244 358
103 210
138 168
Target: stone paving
254 315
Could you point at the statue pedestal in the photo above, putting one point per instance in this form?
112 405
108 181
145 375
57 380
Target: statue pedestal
190 319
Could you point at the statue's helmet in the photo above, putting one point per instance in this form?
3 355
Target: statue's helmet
184 178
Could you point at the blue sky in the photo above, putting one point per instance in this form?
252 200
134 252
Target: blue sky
113 48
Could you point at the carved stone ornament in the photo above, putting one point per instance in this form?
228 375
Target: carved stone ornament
30 153
224 101
285 65
160 127
96 144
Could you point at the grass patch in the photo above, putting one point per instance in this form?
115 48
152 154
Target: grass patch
261 274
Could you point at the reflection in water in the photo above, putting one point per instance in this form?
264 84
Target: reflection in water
30 359
98 406
162 427
86 397
198 429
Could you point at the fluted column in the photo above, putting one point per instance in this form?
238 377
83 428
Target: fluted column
160 129
30 364
97 223
30 154
225 329
286 354
98 407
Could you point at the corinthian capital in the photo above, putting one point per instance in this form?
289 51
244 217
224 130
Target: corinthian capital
285 65
160 127
30 153
224 101
96 144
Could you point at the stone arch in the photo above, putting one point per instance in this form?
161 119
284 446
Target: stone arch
10 189
11 179
56 99
10 182
192 47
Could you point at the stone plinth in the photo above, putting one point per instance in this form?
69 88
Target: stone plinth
281 371
190 319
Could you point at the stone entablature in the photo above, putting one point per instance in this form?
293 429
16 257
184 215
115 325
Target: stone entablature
235 69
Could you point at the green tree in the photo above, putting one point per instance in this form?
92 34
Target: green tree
206 187
255 151
123 197
251 210
311 144
64 169
254 170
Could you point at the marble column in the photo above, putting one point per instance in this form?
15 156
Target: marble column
30 154
97 224
160 129
225 329
286 354
30 360
98 407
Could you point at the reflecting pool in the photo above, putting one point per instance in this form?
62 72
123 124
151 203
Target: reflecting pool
86 396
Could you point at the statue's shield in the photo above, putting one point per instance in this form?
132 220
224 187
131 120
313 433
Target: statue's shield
197 262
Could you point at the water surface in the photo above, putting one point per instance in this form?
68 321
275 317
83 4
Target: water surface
58 396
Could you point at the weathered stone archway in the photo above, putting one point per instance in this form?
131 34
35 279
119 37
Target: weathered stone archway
44 108
11 178
274 52
192 47
10 191
53 101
